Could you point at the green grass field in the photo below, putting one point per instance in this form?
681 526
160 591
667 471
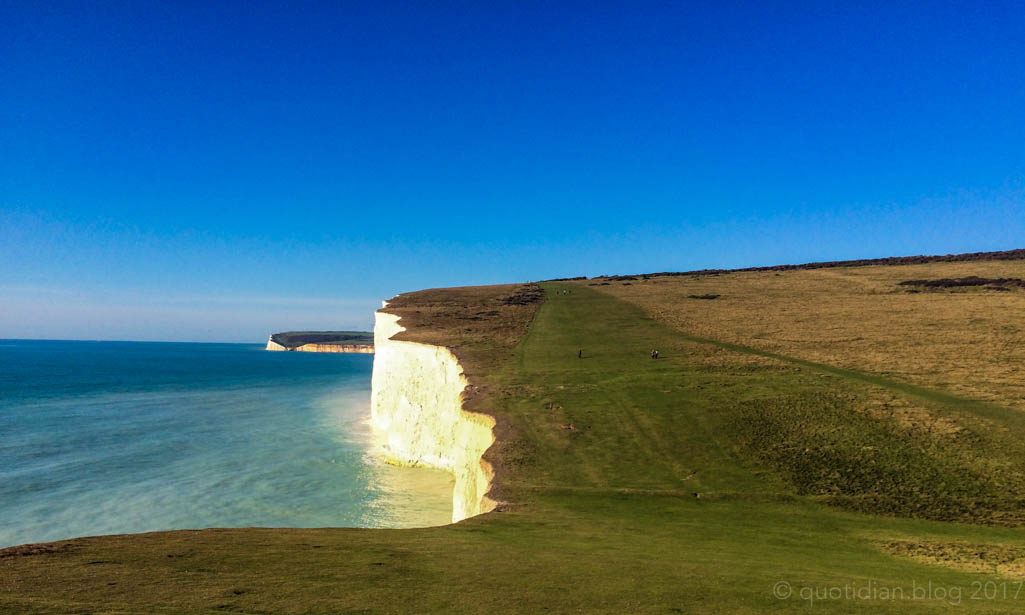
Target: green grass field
717 478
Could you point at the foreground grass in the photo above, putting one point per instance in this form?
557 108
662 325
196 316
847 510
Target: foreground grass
602 463
573 551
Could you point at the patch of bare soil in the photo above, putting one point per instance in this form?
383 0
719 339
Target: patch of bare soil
970 281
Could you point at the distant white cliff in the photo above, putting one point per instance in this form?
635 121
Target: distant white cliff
417 408
322 347
272 345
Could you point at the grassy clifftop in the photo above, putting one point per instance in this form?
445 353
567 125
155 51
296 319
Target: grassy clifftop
810 439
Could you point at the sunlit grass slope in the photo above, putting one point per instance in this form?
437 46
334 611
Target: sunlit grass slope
967 340
714 479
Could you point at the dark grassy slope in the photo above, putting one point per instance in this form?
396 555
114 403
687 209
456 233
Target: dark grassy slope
607 452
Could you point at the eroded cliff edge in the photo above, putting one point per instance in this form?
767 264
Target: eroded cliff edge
435 382
417 404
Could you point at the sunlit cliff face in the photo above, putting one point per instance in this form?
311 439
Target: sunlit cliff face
417 409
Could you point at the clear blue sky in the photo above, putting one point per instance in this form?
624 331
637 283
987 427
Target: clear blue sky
216 171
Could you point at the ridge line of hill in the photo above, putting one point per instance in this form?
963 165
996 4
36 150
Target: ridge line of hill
1004 255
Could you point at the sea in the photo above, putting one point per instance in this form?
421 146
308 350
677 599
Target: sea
122 437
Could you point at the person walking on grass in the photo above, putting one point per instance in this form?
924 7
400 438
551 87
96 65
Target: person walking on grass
580 353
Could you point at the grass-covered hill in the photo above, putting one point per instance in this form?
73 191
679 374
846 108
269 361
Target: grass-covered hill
820 439
294 339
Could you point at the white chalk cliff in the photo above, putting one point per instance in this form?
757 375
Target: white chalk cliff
417 408
322 347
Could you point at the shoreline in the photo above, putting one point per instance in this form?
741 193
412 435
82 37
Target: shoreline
302 417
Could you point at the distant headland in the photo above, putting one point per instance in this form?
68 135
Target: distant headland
322 341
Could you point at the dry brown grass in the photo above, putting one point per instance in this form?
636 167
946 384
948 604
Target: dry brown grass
966 341
480 324
1000 559
911 416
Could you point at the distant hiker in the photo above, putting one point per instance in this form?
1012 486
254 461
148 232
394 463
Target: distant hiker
652 354
656 354
580 353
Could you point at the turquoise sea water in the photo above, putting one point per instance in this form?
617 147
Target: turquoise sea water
117 437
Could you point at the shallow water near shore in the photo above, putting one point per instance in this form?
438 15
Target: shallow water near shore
121 437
